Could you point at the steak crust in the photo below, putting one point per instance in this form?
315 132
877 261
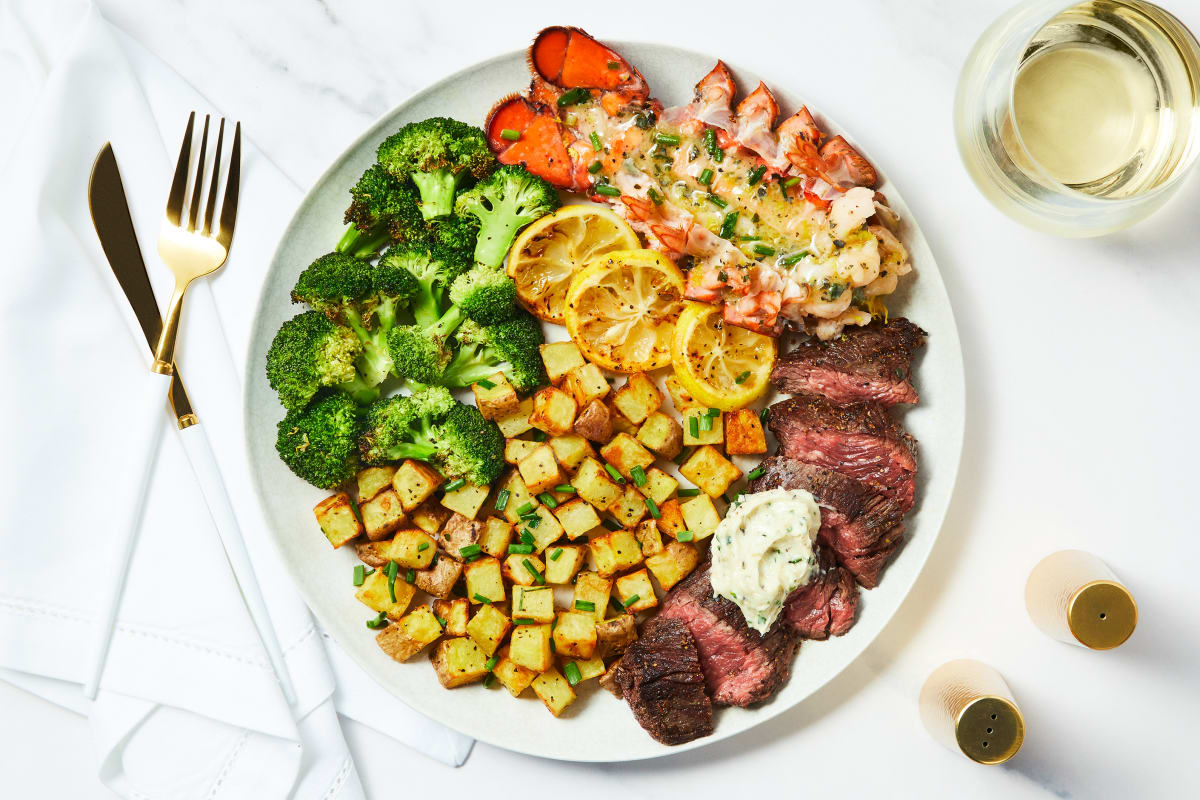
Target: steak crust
661 679
825 606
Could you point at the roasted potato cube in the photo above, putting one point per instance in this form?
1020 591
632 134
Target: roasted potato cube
700 516
457 533
410 635
440 578
659 486
374 595
614 635
638 398
488 628
412 549
695 433
673 564
635 591
595 422
615 552
649 539
593 484
484 580
662 435
533 602
586 383
498 400
620 422
518 495
624 452
575 634
373 480
744 433
430 516
588 668
512 676
571 449
670 517
630 507
518 573
591 589
529 647
374 554
553 411
681 398
517 422
516 449
710 470
466 499
560 358
414 481
562 562
577 517
454 614
547 531
459 661
337 519
554 690
497 534
382 514
540 470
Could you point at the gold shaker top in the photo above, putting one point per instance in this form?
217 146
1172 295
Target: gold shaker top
1102 614
990 729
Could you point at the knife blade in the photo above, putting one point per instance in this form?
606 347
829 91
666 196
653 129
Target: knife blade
110 216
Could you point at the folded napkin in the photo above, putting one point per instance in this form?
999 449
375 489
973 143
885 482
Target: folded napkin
188 701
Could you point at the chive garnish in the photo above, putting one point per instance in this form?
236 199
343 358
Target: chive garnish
633 598
526 537
558 551
729 224
653 507
378 622
793 258
638 474
684 536
706 176
525 509
612 471
491 663
574 96
470 550
524 621
533 521
478 598
714 412
410 576
689 492
608 191
520 549
572 673
757 173
666 138
422 547
710 144
360 574
755 473
790 182
764 250
764 415
455 485
553 646
595 167
597 145
539 436
510 134
705 422
548 500
485 383
440 621
502 499
390 571
585 605
740 379
655 197
611 524
717 201
532 570
565 488
694 426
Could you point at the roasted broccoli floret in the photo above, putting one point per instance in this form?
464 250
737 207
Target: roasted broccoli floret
433 268
470 446
382 209
456 234
320 442
421 353
439 155
485 294
505 202
510 347
309 353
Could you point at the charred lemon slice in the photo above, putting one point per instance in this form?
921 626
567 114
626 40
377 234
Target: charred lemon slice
550 251
721 366
621 309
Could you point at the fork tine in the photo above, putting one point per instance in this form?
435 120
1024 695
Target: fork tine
230 203
194 214
179 183
215 182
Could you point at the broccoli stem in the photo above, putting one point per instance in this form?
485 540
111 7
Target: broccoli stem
376 362
426 305
467 368
437 190
360 390
420 452
363 245
495 237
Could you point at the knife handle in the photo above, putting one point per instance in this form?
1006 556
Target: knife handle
216 496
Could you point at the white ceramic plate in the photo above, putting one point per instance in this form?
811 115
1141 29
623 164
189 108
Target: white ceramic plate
597 727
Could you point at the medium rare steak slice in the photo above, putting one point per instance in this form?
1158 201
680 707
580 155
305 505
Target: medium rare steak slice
860 441
863 364
741 666
660 677
826 605
861 527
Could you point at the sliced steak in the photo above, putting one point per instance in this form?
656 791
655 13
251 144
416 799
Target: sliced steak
862 528
741 666
863 364
660 677
826 605
859 440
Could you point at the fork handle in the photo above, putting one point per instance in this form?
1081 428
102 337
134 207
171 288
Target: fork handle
164 353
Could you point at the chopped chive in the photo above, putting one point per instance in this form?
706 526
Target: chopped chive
749 238
470 550
706 176
485 383
755 473
729 225
572 673
455 485
488 680
764 250
710 144
694 426
548 500
539 436
608 191
526 537
638 474
611 524
740 379
524 621
574 96
585 605
390 571
655 197
478 598
714 412
793 258
653 507
520 549
689 492
717 201
533 521
704 421
532 570
757 173
790 182
633 598
360 574
554 555
491 663
764 415
378 622
410 576
502 499
597 145
441 621
684 536
612 471
525 509
510 134
595 167
553 646
666 138
565 488
422 547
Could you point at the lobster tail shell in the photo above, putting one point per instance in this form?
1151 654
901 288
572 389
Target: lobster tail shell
570 58
540 145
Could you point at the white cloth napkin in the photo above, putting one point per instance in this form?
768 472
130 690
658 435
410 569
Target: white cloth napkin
188 706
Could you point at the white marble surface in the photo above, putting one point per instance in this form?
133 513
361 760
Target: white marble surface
1081 386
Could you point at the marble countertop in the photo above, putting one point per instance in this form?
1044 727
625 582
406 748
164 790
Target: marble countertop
1081 384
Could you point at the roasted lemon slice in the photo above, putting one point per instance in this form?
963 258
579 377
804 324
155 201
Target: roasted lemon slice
621 309
551 250
721 366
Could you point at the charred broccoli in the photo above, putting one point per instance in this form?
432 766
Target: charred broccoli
309 353
319 442
382 209
510 347
508 200
439 155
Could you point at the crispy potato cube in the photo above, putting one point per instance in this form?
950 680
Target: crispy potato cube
374 595
337 519
577 517
499 400
540 470
659 486
430 516
662 435
614 635
562 562
374 554
744 433
414 481
382 514
714 435
638 398
700 516
529 647
670 517
630 507
512 676
410 636
497 534
488 628
466 499
593 484
547 532
412 549
681 398
440 578
454 612
591 588
516 449
673 564
560 358
533 602
459 532
620 422
553 411
459 661
373 480
595 422
586 383
635 591
649 539
554 691
517 422
615 552
575 634
571 449
588 668
517 573
484 579
518 495
710 470
624 452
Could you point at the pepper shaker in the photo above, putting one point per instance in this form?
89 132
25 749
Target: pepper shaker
1073 596
968 707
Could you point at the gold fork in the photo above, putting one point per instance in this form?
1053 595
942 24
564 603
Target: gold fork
189 249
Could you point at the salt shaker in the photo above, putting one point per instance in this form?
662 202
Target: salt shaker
1074 597
968 707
